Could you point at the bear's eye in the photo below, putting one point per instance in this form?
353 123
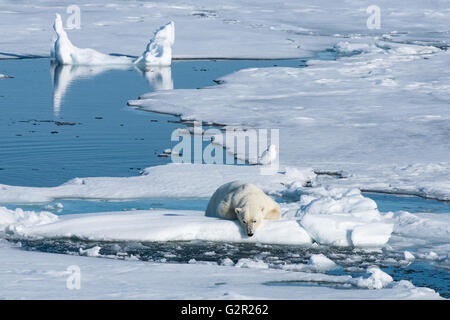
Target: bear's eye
254 221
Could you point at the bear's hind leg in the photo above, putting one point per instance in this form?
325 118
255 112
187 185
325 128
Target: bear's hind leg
273 214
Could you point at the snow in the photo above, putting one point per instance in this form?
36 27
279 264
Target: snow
35 275
172 180
12 221
158 225
341 217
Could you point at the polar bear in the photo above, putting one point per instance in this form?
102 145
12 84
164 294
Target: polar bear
245 202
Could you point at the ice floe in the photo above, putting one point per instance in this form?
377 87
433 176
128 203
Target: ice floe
374 130
328 216
14 221
172 180
264 29
107 278
154 225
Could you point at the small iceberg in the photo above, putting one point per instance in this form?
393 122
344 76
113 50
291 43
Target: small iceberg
157 53
159 49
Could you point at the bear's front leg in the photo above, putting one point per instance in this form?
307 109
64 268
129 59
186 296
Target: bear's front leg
225 211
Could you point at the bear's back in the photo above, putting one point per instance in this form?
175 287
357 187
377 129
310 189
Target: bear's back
230 192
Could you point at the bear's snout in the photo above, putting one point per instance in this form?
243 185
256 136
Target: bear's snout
250 234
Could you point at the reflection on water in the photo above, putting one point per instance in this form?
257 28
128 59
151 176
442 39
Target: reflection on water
62 122
159 78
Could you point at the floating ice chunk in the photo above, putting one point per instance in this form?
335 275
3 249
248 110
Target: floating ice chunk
158 52
91 252
66 53
12 221
340 200
346 230
346 47
378 279
252 264
159 49
408 256
371 234
2 76
211 263
343 217
57 206
227 262
431 256
321 263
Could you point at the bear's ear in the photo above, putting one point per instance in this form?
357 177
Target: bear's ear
238 210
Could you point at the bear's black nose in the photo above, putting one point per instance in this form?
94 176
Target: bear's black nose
250 234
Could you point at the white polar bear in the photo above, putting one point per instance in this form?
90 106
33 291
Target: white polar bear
245 202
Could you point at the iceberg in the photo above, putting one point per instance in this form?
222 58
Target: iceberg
159 49
66 53
157 53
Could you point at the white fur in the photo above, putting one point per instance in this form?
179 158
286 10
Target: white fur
245 202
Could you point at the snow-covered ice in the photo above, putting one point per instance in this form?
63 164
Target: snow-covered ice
35 275
157 53
159 49
153 225
376 131
259 29
66 53
172 180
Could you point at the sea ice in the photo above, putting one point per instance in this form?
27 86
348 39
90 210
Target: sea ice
34 275
159 49
66 53
158 52
377 280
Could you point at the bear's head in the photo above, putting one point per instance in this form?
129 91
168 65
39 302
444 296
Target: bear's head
250 217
